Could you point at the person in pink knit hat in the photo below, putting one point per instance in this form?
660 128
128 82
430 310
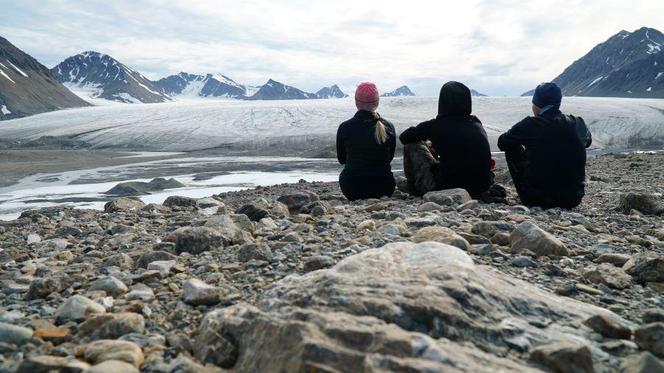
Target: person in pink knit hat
365 146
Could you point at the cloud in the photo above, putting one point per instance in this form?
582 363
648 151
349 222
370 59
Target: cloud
497 46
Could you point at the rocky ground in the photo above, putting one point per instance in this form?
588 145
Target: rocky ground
296 278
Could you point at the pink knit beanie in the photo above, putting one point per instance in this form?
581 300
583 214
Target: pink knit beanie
367 97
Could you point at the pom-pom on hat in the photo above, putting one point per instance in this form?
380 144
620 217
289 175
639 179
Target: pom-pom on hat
367 97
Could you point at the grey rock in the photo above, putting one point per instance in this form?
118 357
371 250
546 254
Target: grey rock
616 259
564 357
314 263
646 267
47 364
13 334
650 337
104 350
195 240
608 275
180 202
653 315
140 292
528 236
111 285
608 327
77 308
296 201
123 204
112 325
524 261
442 235
153 256
443 197
197 292
112 366
163 266
646 203
644 362
254 251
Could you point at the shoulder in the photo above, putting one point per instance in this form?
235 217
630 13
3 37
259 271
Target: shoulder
346 124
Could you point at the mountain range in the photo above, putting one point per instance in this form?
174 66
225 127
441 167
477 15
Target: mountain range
28 87
628 64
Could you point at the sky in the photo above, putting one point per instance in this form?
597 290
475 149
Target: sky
498 47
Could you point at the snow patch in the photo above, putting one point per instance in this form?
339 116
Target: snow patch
127 97
19 70
4 110
595 81
7 76
659 75
649 89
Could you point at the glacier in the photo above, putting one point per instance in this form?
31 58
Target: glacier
291 127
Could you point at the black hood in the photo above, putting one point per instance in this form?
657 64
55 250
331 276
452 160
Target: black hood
454 100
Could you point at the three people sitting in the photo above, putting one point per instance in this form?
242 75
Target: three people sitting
545 153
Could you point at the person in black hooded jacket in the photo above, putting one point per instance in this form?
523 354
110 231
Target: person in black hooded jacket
365 146
546 153
458 138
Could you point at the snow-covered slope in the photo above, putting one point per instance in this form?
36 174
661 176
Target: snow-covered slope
101 76
28 87
209 85
288 127
402 91
629 64
273 90
331 92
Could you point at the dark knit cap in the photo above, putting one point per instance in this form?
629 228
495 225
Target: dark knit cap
547 94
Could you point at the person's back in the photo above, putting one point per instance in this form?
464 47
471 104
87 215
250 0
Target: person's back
547 157
365 146
459 140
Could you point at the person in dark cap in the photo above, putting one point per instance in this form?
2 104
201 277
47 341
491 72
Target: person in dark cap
546 153
461 156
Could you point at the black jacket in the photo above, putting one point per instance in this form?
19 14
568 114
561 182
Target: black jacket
555 155
459 139
359 150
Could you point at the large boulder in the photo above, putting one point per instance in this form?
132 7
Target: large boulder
77 308
297 201
227 227
402 307
528 236
135 188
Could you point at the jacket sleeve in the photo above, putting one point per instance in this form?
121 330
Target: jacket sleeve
516 136
393 142
415 134
341 150
584 133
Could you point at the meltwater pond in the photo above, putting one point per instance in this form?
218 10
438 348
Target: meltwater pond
202 177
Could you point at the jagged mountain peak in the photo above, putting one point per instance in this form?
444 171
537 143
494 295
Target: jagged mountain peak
332 91
96 75
402 91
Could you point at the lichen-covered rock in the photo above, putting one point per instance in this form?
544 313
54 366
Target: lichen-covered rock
103 350
417 304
